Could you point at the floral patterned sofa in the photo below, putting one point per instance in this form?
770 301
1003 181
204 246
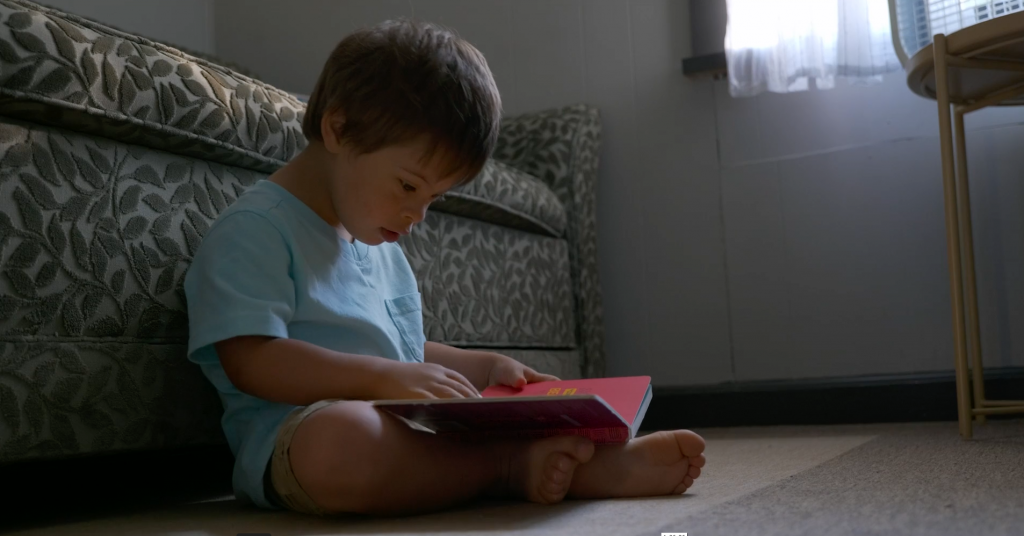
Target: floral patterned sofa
116 154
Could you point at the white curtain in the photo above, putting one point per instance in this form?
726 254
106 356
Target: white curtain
782 45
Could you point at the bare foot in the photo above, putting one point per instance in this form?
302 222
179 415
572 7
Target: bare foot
540 471
662 463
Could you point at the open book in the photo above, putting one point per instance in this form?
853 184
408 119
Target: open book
605 410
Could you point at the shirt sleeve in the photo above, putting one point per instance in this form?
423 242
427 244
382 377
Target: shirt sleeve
239 283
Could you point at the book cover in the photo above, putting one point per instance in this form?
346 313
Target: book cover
606 410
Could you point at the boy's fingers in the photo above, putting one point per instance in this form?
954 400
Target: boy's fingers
534 376
448 391
462 382
459 390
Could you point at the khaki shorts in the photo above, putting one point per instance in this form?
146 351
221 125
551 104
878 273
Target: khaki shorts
279 483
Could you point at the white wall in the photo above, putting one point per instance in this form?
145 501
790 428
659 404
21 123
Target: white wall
834 228
836 238
186 23
835 234
660 233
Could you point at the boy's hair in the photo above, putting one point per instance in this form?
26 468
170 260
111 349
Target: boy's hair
402 79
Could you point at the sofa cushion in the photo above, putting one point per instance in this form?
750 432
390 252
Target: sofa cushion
561 147
95 239
97 235
92 396
506 196
73 73
489 285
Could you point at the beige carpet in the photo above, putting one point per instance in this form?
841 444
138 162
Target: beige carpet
877 479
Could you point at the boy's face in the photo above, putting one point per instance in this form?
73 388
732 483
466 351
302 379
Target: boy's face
379 196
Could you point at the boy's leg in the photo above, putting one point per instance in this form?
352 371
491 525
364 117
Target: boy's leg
351 457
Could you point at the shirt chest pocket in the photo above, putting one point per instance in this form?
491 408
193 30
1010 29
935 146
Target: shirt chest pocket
407 314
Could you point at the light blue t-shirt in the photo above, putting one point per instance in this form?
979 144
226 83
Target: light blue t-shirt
271 266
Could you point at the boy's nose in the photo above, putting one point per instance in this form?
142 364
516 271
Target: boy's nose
417 215
411 219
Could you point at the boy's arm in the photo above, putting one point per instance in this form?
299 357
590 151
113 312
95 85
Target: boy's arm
298 373
475 366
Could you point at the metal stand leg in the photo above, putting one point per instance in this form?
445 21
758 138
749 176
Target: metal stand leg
964 409
970 284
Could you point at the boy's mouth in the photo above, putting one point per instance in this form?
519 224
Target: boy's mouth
389 235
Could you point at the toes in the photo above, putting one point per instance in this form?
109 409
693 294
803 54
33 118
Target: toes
550 493
691 444
554 491
580 449
561 469
584 450
563 463
698 461
681 488
687 480
550 474
557 477
694 472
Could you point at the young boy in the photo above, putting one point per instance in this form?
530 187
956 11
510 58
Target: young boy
302 307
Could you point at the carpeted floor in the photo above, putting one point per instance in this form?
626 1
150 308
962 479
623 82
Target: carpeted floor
842 480
913 479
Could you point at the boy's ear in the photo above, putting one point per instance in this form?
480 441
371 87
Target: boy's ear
330 127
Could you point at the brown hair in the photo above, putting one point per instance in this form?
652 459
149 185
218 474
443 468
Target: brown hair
402 79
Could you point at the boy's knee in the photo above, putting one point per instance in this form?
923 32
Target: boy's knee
338 456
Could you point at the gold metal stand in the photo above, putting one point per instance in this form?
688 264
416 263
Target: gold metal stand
959 235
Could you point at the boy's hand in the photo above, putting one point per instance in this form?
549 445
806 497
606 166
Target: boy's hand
508 371
399 380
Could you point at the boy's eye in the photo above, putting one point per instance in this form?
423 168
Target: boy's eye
407 187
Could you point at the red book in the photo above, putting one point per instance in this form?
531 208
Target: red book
606 410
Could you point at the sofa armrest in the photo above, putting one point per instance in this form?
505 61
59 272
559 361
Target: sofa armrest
561 148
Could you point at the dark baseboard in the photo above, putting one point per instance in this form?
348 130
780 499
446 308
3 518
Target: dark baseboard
45 492
860 400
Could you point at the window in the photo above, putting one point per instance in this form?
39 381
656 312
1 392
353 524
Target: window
793 45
